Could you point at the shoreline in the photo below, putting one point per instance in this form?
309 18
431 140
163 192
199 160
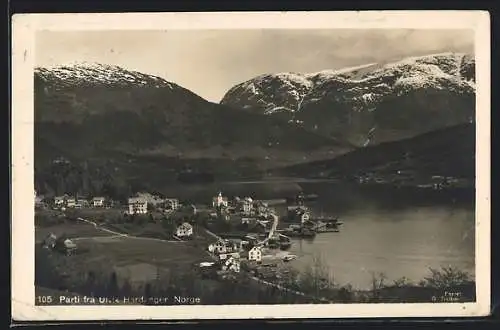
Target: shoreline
345 293
271 254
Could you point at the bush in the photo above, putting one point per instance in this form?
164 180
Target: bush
346 294
446 277
402 282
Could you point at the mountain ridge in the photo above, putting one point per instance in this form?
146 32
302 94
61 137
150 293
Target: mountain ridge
448 152
363 103
107 112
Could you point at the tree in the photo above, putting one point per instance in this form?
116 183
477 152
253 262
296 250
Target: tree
126 289
148 291
45 273
113 285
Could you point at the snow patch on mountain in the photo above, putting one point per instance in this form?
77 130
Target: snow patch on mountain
96 74
328 74
273 93
362 85
398 95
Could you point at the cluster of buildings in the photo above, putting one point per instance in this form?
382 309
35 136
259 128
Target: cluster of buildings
247 210
61 244
250 212
298 214
230 253
244 206
67 201
135 205
139 204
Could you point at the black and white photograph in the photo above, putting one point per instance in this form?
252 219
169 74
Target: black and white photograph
253 165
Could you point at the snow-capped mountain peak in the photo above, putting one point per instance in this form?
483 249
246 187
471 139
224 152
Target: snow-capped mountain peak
442 82
91 73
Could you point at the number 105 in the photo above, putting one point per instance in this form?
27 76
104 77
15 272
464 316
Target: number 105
44 299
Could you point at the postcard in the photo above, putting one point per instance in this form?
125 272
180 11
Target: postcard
284 165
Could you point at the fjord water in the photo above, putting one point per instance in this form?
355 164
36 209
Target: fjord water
390 231
400 232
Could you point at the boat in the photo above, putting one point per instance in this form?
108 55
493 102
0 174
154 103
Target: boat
289 257
301 197
323 225
301 232
334 224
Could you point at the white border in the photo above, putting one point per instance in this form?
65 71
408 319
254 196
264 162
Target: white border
24 28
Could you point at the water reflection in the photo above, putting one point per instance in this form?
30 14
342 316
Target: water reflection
402 241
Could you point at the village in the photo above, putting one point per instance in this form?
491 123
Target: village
244 235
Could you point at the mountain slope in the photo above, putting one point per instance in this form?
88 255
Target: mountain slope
446 152
368 104
99 113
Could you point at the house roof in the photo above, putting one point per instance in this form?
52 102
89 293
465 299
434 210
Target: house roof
186 225
97 198
69 243
50 238
136 200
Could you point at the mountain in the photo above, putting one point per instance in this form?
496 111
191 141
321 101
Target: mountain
150 129
368 104
449 152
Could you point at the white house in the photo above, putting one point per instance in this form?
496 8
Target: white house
98 201
171 203
70 202
298 214
69 246
184 230
304 216
222 246
50 241
65 245
38 200
247 205
137 205
231 264
59 201
255 254
246 220
219 247
225 256
219 201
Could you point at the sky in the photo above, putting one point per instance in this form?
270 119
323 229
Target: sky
210 62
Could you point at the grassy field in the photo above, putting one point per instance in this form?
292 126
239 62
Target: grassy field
107 265
97 214
133 260
135 256
71 229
